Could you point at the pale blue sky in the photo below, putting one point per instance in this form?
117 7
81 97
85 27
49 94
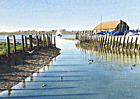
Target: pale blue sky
68 14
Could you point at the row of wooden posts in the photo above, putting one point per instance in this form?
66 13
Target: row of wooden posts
43 39
111 41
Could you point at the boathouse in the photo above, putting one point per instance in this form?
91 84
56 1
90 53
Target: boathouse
117 25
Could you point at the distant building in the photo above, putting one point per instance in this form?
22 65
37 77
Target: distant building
117 25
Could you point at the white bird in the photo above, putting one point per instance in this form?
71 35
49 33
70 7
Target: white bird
30 52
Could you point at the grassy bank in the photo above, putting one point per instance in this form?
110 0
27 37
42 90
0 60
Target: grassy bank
3 46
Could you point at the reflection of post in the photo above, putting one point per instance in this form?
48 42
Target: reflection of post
23 84
31 77
48 66
135 43
9 92
43 68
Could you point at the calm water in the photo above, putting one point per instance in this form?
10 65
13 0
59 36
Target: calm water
107 77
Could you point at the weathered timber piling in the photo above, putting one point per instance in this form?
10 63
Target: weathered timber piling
30 38
8 46
14 43
22 41
119 41
32 41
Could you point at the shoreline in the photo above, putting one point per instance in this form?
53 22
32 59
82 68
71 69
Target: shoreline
22 67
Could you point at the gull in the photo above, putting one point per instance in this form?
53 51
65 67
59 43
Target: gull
30 52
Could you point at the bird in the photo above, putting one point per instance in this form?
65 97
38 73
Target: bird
61 78
30 52
133 65
90 60
131 68
43 85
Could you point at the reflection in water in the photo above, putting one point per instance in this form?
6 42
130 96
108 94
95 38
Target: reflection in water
9 92
31 77
18 68
23 84
111 55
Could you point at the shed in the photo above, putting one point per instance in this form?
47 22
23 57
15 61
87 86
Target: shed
117 25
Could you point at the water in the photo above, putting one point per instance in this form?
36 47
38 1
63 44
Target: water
107 77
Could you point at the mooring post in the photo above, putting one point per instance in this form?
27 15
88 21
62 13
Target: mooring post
40 38
43 40
123 41
14 43
22 40
54 42
119 42
135 43
48 40
113 42
25 41
116 43
110 41
131 43
51 39
37 41
8 46
46 37
127 42
30 38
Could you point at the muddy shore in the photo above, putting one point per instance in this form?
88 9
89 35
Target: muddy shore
19 66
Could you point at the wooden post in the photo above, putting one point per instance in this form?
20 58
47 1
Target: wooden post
131 43
8 46
37 41
25 41
135 43
46 37
113 42
116 42
54 42
120 42
51 39
14 43
127 42
110 41
40 39
30 38
22 39
123 41
43 40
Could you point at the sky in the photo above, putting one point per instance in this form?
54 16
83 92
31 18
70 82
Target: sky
66 14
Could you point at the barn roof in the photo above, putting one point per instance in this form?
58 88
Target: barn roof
108 25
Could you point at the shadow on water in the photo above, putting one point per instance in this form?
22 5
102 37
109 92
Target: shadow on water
20 66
